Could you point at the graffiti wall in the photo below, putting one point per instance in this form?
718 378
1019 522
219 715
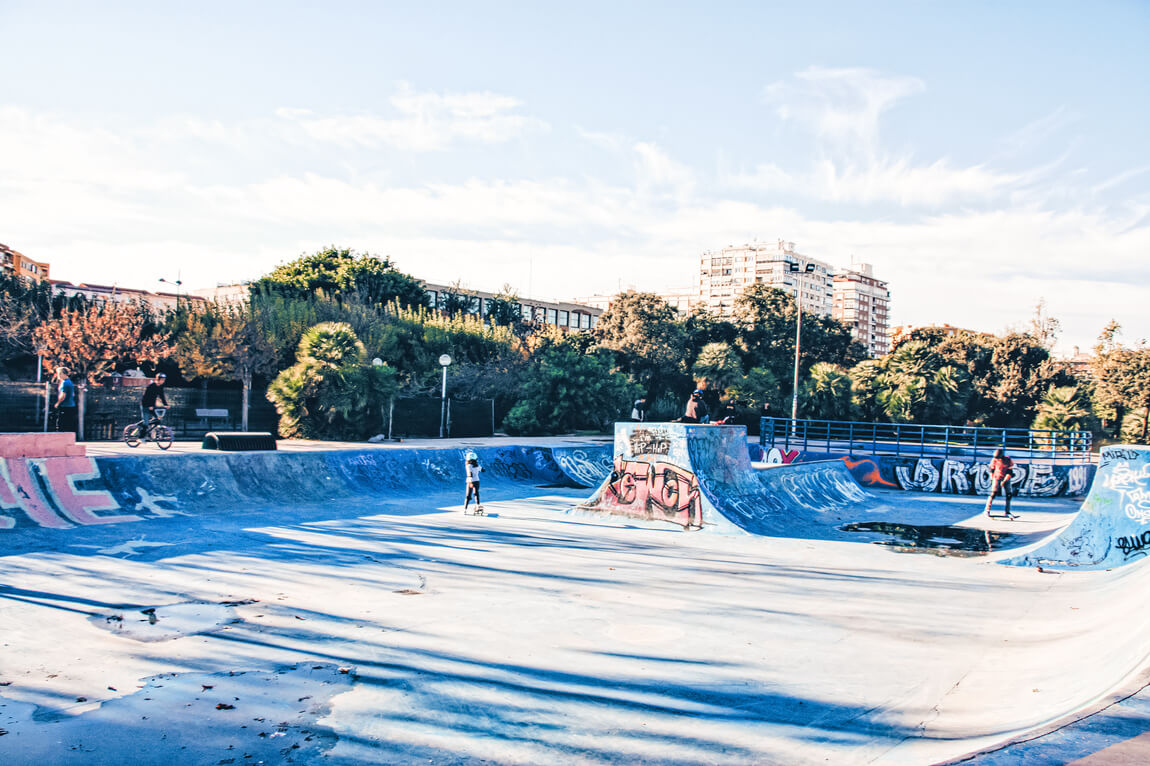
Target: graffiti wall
650 478
949 476
1113 527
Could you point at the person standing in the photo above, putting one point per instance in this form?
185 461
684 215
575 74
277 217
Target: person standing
473 470
1001 472
65 406
639 410
153 393
696 408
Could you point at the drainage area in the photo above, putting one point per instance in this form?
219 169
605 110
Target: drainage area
943 541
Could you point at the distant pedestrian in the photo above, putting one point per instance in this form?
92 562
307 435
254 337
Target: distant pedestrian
1001 472
639 410
65 408
473 470
726 413
697 411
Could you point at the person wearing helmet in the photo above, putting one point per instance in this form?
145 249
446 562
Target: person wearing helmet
471 464
696 408
153 393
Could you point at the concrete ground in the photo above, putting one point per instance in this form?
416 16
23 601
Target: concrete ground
407 632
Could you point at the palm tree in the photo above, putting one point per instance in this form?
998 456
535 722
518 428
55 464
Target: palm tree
826 393
719 365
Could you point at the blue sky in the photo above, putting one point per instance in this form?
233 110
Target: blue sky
982 156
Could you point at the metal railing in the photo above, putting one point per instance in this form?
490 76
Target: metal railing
906 440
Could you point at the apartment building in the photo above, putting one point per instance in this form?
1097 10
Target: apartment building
161 301
725 274
862 303
18 264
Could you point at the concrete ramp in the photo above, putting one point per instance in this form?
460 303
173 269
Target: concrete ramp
60 492
1113 527
700 476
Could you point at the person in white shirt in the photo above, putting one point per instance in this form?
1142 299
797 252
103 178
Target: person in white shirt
473 471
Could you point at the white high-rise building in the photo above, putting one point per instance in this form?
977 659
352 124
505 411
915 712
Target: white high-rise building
862 303
726 273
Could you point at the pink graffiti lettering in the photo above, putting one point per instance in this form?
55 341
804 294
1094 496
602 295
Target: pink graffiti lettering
81 506
18 491
654 490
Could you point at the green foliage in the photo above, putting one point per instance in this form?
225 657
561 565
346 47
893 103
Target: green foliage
866 378
648 342
566 390
758 387
765 319
718 366
1064 408
917 387
1122 383
342 274
504 309
826 393
1136 427
333 391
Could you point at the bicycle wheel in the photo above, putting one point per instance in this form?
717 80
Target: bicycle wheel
132 435
161 435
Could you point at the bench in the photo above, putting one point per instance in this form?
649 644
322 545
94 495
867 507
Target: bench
213 419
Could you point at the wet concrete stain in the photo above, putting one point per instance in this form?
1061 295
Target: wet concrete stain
939 540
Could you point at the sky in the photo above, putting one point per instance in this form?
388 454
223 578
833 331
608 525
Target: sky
982 156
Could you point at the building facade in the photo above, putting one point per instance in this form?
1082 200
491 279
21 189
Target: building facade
18 264
725 274
862 303
573 317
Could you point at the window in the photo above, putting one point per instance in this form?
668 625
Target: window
562 319
551 316
585 321
574 320
594 320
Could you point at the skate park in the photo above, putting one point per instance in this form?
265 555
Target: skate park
321 604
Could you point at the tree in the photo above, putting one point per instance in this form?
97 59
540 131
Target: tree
1043 327
718 365
1122 378
648 341
229 343
1063 408
826 393
916 386
504 309
90 342
757 388
566 390
342 274
866 378
332 392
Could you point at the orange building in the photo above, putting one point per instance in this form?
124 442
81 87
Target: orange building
12 262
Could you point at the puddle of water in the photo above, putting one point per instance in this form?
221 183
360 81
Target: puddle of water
942 541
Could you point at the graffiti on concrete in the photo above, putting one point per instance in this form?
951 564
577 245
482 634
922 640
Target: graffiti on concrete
1135 545
650 441
957 477
778 456
1133 488
50 493
587 468
1112 455
660 490
867 472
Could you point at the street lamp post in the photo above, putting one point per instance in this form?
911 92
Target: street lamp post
445 361
177 282
809 269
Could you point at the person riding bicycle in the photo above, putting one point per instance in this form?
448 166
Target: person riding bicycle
154 392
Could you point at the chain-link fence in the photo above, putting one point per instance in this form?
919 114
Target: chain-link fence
421 416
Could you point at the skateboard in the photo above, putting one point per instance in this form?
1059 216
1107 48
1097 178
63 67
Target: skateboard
1005 515
477 512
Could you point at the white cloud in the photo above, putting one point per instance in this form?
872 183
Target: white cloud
842 106
426 122
117 212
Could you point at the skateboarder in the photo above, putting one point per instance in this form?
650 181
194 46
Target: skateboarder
473 471
1001 471
696 409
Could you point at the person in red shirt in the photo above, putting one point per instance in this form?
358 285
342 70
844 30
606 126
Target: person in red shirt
1001 471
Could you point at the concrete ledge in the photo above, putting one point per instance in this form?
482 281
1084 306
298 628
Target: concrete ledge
40 445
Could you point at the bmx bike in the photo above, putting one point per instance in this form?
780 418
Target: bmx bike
153 430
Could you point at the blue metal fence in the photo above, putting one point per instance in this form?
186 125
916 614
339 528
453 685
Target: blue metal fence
924 440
